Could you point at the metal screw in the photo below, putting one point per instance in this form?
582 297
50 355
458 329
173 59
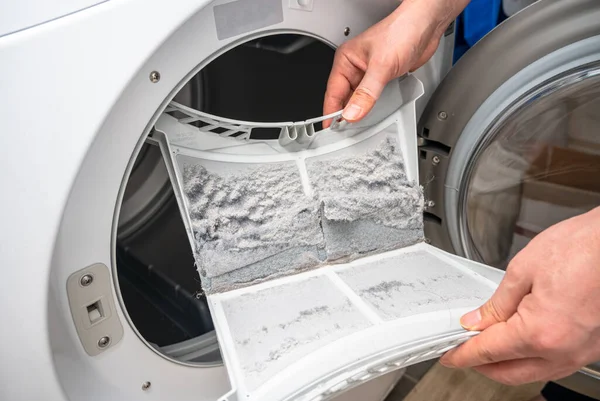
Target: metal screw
146 386
427 241
103 342
442 115
86 280
347 31
154 77
436 160
430 203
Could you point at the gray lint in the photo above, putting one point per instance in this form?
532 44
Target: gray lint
414 283
275 327
368 203
251 224
256 223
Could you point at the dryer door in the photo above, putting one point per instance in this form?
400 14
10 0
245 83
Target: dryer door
509 143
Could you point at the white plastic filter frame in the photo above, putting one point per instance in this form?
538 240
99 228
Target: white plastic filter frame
177 137
303 132
372 341
363 355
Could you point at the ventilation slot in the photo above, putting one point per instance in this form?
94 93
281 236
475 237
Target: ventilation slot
430 217
435 147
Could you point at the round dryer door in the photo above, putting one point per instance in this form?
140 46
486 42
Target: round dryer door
509 144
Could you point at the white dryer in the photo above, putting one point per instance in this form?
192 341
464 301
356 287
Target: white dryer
101 296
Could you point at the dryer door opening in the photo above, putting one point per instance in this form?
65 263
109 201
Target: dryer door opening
284 77
274 78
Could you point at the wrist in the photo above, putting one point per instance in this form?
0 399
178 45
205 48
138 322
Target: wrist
436 14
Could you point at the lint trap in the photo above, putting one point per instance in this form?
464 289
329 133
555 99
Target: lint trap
310 247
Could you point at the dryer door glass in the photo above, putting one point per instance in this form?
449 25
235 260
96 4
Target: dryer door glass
539 167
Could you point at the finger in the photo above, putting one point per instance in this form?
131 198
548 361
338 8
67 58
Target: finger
519 371
504 302
366 94
338 92
500 342
343 78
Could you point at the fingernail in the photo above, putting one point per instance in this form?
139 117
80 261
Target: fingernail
471 319
444 362
352 112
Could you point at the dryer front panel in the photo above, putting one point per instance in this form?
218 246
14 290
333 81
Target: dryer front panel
110 84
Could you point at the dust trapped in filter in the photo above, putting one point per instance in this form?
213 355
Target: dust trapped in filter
367 202
255 222
426 285
316 314
252 223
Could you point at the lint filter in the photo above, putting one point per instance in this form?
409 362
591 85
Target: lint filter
310 247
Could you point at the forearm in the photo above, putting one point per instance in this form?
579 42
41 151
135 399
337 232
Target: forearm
438 14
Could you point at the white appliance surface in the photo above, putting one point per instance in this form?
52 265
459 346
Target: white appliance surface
76 99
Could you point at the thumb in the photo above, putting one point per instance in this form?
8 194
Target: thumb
366 94
502 305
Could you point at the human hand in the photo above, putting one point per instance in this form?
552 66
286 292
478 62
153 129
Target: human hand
543 321
400 43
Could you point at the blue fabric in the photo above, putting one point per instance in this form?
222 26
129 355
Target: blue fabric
460 45
478 18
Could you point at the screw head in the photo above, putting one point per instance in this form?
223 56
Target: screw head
347 31
427 241
154 77
442 115
435 160
103 342
430 203
146 386
86 280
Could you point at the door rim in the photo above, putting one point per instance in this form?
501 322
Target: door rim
538 79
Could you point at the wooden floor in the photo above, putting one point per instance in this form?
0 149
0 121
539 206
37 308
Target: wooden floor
443 384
